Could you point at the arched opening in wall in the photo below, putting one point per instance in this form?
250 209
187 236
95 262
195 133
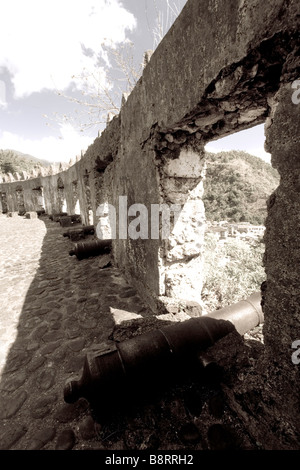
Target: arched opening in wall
20 200
38 200
239 98
238 182
4 203
105 218
61 200
75 202
87 191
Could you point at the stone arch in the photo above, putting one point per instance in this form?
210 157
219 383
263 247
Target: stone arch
61 198
20 200
240 97
38 199
75 198
4 202
88 199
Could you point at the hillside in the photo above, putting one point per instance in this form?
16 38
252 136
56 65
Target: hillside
12 161
237 186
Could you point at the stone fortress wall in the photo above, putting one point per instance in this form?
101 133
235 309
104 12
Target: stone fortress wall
223 67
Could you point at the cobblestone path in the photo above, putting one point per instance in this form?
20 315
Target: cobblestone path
53 308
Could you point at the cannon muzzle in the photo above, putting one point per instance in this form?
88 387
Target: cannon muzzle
132 367
91 248
85 229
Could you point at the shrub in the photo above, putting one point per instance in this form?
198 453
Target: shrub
232 271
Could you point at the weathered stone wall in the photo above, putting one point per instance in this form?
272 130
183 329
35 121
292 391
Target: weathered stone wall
74 190
282 257
13 191
223 67
213 74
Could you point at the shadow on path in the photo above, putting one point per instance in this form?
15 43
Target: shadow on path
70 305
54 309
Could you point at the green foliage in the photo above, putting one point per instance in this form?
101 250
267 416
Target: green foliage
232 271
15 162
237 186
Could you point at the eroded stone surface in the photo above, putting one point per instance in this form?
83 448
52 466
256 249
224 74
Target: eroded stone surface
220 83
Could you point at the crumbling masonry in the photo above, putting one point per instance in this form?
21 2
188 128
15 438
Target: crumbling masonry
223 67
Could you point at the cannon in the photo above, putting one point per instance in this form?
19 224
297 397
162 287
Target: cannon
85 229
113 371
69 220
56 217
91 248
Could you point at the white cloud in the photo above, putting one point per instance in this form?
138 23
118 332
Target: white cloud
3 103
250 140
45 40
62 149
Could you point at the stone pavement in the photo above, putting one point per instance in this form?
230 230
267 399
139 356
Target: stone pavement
53 308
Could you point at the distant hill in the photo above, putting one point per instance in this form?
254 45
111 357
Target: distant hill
30 157
12 161
237 186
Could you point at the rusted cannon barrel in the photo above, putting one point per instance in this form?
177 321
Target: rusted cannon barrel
41 212
154 358
56 217
91 248
86 229
245 314
76 218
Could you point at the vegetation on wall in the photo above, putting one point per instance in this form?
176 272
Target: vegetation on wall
232 271
117 71
236 189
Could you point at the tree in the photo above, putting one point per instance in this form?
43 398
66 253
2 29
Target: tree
7 161
101 89
236 187
232 271
8 167
164 19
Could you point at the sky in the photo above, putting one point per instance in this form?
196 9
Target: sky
45 46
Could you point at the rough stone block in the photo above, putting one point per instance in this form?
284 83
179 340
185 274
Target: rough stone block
31 215
12 214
